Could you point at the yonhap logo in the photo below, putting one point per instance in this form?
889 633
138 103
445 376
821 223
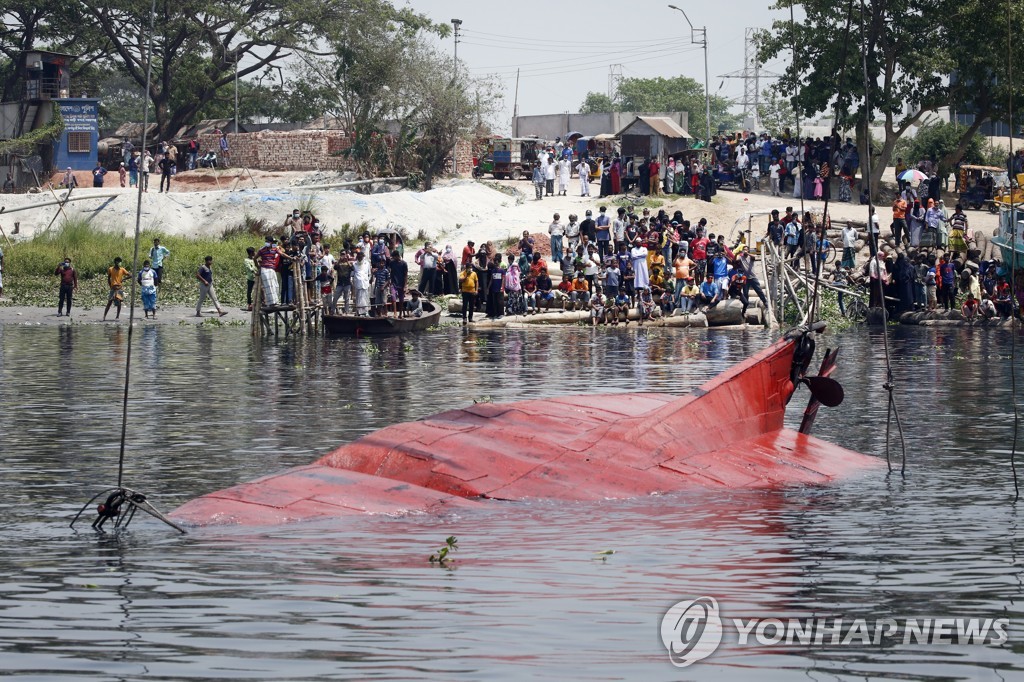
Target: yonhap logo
691 631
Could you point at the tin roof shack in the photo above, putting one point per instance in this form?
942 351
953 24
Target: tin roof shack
653 137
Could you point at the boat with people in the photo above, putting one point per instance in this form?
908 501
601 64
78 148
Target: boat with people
728 433
366 325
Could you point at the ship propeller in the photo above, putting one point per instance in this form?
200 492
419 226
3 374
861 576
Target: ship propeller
825 390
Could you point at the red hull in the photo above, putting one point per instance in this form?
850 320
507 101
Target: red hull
727 434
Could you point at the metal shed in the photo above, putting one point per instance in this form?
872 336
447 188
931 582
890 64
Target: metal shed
653 137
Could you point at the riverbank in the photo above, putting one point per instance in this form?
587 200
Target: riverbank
38 316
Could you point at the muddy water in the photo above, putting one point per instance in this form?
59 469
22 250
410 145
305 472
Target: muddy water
530 596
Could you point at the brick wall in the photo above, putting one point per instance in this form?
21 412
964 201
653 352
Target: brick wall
302 150
288 150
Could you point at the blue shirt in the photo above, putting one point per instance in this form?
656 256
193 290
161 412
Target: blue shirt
157 255
709 289
720 267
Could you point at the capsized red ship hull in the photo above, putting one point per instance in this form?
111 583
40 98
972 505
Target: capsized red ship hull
726 434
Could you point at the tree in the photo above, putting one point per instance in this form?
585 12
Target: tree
442 108
200 46
776 113
904 66
977 85
597 103
941 141
665 94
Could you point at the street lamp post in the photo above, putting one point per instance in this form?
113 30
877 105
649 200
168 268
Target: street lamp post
704 42
457 23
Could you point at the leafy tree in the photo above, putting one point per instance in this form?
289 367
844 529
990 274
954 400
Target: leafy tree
442 107
776 113
942 141
905 65
199 44
597 103
978 32
665 94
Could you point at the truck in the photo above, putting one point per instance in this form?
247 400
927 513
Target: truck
514 157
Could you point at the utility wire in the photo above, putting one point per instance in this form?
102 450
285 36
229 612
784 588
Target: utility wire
557 70
651 49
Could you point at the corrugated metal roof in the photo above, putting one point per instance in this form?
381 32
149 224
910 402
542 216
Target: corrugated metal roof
662 124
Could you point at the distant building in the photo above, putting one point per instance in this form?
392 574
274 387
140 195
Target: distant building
46 77
550 126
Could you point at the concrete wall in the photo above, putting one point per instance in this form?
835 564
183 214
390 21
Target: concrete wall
550 126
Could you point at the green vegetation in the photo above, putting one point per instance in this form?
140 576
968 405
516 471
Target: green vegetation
29 265
27 143
442 558
665 94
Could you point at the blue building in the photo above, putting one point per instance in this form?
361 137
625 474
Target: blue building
78 144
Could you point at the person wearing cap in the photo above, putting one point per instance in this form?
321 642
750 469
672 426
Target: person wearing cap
588 227
69 181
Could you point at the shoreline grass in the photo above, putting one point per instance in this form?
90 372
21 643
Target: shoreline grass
29 265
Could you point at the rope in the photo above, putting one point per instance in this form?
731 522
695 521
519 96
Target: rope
813 311
1013 262
889 385
135 254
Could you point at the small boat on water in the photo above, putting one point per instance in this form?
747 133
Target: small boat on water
728 433
361 325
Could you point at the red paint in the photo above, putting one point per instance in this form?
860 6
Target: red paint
727 434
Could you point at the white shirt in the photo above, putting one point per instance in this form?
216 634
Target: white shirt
618 229
572 230
556 229
774 170
583 169
849 237
328 260
549 171
361 274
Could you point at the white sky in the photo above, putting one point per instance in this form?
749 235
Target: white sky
564 49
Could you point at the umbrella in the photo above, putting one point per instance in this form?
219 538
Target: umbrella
573 134
912 175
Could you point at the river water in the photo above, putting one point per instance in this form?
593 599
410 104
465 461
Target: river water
531 595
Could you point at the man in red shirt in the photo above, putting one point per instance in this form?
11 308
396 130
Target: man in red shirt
468 251
269 258
68 284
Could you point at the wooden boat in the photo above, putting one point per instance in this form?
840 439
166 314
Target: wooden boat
728 433
354 325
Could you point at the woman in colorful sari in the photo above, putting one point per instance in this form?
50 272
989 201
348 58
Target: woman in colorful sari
615 174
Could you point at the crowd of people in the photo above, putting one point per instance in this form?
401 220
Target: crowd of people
656 264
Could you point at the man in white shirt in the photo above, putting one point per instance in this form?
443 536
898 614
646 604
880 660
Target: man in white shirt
556 230
583 168
361 283
849 246
773 172
550 170
564 171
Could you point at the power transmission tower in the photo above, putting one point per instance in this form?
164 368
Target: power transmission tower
614 78
751 73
